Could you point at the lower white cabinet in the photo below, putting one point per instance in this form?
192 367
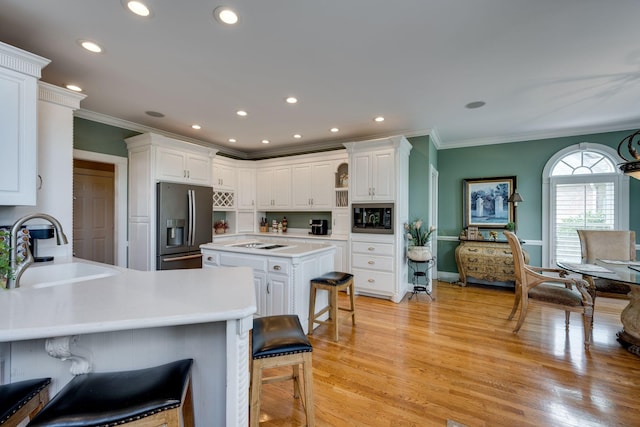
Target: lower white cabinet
374 268
281 282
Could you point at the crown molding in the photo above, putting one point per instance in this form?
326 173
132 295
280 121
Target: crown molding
58 95
22 61
546 134
136 127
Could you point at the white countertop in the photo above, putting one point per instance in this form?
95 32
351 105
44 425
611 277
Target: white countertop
290 250
130 299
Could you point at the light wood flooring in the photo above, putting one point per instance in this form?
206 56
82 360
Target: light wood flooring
422 363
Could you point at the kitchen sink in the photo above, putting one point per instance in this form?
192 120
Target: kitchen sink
58 274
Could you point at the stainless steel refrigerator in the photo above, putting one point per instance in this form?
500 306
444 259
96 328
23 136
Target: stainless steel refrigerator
184 218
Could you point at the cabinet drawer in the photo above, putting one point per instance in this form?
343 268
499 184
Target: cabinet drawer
231 260
210 259
376 281
373 248
279 265
381 263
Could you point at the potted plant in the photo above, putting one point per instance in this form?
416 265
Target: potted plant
220 226
418 238
5 257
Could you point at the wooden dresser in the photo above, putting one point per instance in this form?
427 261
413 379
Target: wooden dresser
485 261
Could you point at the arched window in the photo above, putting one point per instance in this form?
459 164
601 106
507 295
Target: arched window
583 189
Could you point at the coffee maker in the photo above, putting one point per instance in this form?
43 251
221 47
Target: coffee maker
36 233
319 227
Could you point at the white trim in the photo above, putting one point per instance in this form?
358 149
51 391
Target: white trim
622 208
120 202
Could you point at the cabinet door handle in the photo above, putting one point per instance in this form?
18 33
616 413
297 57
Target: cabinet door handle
371 280
268 287
209 258
371 262
276 267
371 248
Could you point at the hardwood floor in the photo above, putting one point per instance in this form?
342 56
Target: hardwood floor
421 363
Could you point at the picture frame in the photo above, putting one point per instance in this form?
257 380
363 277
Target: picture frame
485 202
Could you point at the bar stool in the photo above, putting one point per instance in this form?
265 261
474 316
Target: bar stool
333 282
148 397
22 400
280 341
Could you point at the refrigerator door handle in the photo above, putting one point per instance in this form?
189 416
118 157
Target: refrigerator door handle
190 220
193 218
182 258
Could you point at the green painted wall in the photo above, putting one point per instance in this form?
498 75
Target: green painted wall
419 160
526 160
100 138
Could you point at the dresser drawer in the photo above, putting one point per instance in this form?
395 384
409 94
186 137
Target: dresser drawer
373 262
372 248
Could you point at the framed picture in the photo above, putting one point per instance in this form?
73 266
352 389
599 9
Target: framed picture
486 203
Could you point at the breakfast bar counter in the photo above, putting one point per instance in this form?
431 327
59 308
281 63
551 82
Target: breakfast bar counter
63 321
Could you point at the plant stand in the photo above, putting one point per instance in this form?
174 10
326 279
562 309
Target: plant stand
421 277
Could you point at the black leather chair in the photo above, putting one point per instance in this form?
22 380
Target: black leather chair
21 400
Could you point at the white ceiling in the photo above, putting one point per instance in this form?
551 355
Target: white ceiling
544 67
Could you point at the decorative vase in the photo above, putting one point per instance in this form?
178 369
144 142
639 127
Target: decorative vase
419 253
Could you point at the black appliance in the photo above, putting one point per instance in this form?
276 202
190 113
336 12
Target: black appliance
374 218
319 227
39 232
184 219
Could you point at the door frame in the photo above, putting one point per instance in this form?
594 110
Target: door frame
119 204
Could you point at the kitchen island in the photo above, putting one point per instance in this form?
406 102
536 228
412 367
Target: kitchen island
281 271
106 318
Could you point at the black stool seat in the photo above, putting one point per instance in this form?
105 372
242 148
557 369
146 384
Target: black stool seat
334 278
114 398
278 335
15 395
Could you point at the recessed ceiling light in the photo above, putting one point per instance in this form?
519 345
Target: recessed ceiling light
334 130
265 141
297 136
196 127
379 119
90 46
225 15
138 7
232 140
241 113
154 114
475 104
291 100
74 88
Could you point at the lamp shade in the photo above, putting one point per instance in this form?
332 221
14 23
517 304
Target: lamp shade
515 198
631 166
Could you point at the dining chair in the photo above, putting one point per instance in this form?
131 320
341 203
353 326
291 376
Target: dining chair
616 245
548 287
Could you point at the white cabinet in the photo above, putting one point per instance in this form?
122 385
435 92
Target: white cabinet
19 74
380 171
180 166
373 176
312 185
274 187
224 174
246 188
281 282
373 266
154 158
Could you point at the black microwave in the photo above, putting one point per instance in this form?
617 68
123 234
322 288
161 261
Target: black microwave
374 218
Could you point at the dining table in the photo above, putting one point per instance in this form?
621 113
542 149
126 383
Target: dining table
621 271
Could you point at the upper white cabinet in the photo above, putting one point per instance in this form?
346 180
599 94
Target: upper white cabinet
183 166
246 188
19 74
373 175
274 187
312 185
224 174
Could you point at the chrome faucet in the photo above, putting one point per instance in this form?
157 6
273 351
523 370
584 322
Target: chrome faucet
18 267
